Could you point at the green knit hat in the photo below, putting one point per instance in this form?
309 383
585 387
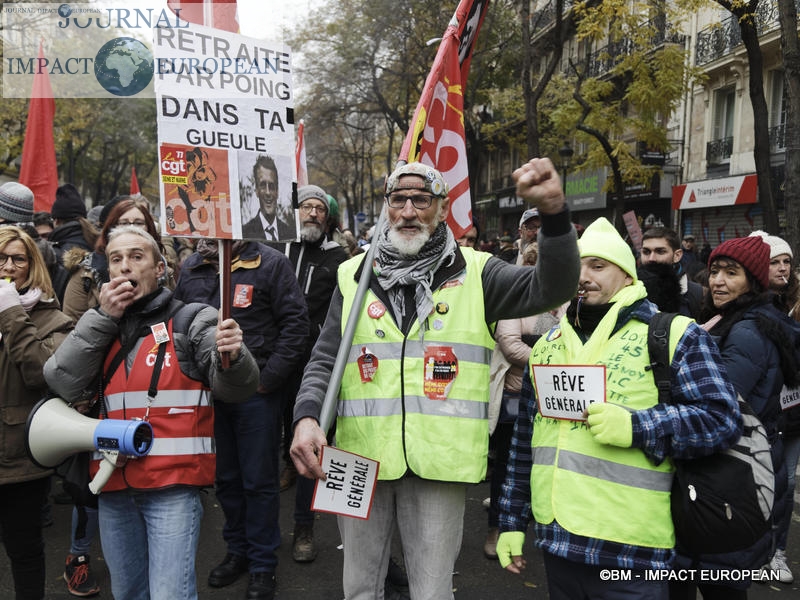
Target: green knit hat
603 241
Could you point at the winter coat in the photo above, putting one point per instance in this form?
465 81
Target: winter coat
266 303
73 371
27 341
757 366
66 236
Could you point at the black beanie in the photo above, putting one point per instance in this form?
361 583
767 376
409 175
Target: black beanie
68 204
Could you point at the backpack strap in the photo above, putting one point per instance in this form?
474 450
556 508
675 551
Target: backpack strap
658 348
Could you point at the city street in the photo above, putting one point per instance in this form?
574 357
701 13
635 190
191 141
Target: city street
476 577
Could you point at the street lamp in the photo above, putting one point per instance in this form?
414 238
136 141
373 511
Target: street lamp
565 152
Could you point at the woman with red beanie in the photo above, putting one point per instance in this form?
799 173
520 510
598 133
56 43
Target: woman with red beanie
757 343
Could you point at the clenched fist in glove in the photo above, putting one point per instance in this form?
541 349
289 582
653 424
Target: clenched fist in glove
610 424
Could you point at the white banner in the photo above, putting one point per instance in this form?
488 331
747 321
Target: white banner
225 113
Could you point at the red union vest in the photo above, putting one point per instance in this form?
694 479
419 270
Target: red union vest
181 415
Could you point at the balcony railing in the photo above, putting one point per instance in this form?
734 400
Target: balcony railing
606 58
719 39
719 152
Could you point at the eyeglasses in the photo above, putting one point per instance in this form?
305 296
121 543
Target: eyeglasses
307 208
19 260
420 201
137 223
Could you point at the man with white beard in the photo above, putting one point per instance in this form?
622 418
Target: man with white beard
414 394
315 260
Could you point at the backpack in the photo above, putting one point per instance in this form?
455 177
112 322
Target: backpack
723 502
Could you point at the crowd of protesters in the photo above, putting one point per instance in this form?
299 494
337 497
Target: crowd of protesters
90 297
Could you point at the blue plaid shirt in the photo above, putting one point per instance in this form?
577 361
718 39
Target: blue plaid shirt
704 419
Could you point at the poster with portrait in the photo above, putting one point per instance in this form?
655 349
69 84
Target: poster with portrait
225 135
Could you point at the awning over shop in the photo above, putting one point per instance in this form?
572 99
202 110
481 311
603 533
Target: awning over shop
726 191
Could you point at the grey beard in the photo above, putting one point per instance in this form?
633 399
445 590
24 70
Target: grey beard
311 233
406 246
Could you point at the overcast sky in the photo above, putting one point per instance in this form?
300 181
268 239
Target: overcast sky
264 19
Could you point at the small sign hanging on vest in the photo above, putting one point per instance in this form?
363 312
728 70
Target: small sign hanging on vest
565 391
367 365
349 487
441 370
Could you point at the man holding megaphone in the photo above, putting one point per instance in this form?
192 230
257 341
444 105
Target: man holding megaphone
159 361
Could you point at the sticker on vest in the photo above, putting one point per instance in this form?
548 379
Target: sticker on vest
790 397
367 365
441 370
242 295
565 391
376 310
160 332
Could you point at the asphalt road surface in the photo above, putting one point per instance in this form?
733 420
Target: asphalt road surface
476 578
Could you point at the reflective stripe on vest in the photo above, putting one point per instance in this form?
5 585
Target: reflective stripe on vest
437 428
181 415
596 490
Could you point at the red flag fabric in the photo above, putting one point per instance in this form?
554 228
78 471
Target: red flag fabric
220 14
39 170
436 133
300 156
134 183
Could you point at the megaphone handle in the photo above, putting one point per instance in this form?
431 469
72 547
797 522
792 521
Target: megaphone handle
103 475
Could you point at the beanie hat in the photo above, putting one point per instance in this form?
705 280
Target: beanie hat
68 204
307 192
16 202
600 239
434 182
333 207
531 213
108 206
777 246
750 252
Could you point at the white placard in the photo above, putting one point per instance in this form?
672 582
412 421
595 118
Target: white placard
790 397
350 484
565 391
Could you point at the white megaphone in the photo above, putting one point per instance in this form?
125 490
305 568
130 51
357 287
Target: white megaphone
55 431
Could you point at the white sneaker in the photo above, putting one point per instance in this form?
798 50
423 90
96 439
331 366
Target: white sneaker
778 563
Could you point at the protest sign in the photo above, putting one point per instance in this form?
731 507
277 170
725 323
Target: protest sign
350 484
226 134
565 391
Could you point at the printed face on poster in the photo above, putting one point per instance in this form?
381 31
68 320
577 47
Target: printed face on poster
226 135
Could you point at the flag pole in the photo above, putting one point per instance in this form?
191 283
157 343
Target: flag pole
328 412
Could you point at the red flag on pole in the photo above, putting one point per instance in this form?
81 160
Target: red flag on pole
134 182
300 156
39 170
436 133
220 14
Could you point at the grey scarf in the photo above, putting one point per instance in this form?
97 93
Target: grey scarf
394 270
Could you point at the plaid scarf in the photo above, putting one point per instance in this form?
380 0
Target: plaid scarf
395 271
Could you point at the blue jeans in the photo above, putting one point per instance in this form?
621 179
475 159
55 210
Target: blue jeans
248 438
150 541
791 454
83 545
430 518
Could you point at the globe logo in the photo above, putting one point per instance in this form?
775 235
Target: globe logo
64 10
124 66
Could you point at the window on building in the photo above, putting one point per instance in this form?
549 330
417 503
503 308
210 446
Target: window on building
720 147
777 112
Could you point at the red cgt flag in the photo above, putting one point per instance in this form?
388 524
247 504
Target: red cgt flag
134 183
220 14
436 135
300 156
39 170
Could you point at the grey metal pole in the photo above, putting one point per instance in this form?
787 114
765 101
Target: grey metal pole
328 412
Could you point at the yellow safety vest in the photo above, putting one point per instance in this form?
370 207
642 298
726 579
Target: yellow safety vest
593 489
419 402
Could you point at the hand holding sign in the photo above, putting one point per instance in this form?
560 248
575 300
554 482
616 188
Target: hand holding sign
610 424
306 447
